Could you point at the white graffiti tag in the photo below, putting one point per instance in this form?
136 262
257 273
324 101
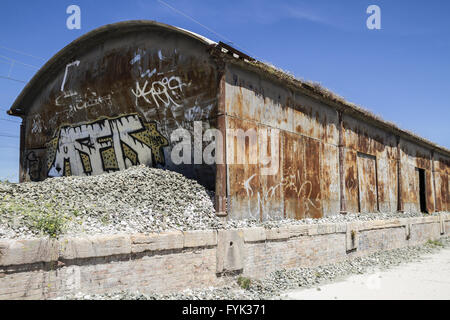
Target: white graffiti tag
167 91
75 63
75 101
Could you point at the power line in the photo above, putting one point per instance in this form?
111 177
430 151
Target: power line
19 62
209 29
22 53
192 19
12 79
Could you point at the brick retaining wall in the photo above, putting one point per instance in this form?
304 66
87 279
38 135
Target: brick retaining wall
175 260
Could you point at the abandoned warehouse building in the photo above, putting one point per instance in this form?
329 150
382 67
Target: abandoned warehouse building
113 98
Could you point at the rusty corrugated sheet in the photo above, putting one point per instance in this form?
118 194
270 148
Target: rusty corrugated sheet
142 88
368 197
244 185
293 175
351 181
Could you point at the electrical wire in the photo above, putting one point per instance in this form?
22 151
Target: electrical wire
12 79
19 62
22 53
207 28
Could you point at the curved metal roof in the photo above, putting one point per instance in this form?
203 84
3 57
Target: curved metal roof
92 38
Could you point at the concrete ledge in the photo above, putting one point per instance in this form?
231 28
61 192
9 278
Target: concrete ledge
424 220
169 240
94 246
381 224
431 219
341 227
200 238
277 233
17 252
254 234
326 228
298 230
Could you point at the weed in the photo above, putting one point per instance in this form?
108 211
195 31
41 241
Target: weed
244 282
435 243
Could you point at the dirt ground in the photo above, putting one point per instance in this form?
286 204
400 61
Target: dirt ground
427 279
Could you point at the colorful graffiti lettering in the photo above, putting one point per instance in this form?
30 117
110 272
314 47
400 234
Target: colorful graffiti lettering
105 145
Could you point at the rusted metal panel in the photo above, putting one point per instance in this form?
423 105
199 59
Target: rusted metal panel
293 175
410 179
441 164
244 185
253 193
330 179
387 184
429 191
302 177
391 185
440 205
367 139
413 158
272 183
251 98
442 192
140 88
447 193
315 120
351 181
312 191
368 196
221 199
383 184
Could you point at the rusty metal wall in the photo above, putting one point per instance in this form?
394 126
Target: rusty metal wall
362 140
140 87
442 182
414 157
306 184
379 169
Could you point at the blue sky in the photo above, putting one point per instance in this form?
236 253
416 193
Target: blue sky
400 72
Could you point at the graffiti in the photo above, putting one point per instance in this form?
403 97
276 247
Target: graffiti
33 166
167 91
75 102
198 113
75 63
37 125
105 145
291 182
302 190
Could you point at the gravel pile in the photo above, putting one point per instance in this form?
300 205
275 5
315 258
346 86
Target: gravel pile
339 218
278 282
139 199
136 200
